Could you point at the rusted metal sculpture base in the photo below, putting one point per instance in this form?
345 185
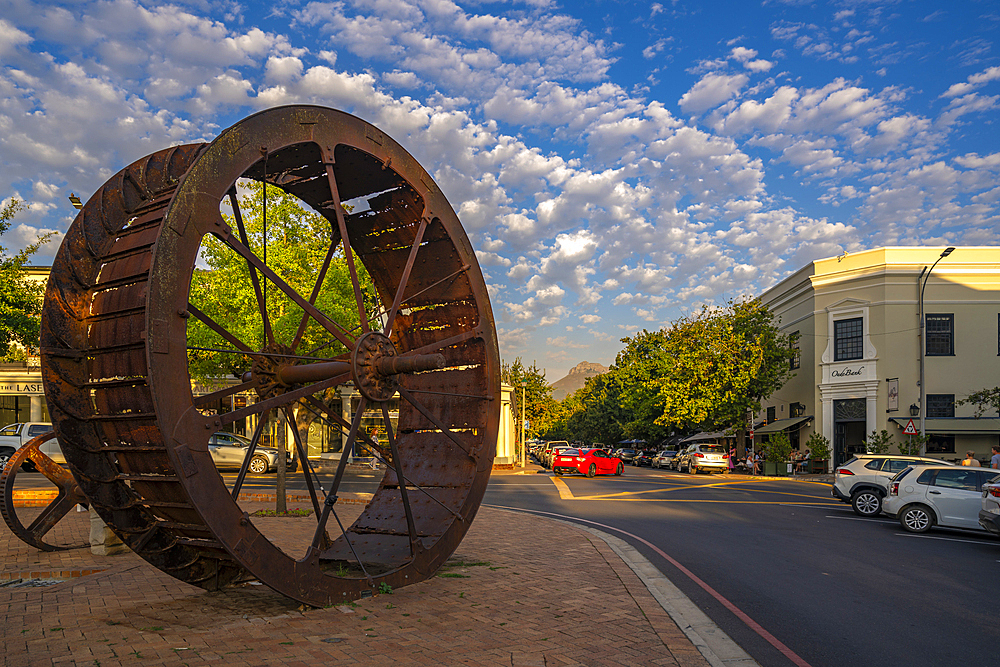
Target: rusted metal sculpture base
69 495
115 357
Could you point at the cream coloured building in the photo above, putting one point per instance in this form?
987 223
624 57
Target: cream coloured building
858 368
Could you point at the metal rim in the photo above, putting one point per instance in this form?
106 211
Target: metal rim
68 495
867 503
916 519
144 449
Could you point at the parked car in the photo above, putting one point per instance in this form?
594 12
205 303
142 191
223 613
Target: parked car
863 481
625 454
587 462
15 436
707 456
550 451
644 457
937 495
989 514
228 451
664 459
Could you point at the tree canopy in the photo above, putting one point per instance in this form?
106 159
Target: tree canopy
704 372
297 243
20 297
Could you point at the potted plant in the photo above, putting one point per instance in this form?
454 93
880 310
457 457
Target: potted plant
778 450
819 450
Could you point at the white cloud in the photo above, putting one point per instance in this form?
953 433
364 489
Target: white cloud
712 90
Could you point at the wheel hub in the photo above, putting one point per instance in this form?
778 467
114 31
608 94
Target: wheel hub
371 351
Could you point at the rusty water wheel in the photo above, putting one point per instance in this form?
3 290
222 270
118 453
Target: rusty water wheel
68 495
115 365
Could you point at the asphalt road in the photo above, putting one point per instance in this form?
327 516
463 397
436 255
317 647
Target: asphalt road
834 588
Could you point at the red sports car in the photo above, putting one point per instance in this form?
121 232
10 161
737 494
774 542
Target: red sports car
587 462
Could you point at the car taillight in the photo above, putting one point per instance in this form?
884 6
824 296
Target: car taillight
699 455
995 491
894 489
844 471
725 456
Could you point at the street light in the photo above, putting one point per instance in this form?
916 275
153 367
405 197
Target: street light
75 201
923 341
524 456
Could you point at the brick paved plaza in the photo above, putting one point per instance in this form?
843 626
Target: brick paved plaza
520 590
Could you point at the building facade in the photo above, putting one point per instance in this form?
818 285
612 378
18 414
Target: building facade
856 322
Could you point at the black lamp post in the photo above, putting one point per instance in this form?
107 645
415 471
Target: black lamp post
923 341
914 409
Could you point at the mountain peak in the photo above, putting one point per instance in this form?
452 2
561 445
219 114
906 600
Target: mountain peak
576 378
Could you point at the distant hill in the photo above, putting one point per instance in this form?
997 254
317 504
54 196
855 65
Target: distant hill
575 380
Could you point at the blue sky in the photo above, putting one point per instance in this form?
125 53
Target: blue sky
615 163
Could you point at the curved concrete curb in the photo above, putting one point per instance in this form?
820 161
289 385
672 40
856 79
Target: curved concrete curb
716 646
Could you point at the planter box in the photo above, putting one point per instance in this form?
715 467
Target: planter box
774 469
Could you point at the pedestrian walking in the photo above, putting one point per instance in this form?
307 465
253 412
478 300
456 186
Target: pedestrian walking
995 459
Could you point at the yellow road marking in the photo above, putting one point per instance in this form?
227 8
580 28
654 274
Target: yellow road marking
628 496
564 492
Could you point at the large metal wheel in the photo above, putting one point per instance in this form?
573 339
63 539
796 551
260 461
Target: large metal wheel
115 357
68 495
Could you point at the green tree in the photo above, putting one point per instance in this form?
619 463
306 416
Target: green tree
722 364
985 400
818 446
878 442
297 243
539 406
779 448
20 297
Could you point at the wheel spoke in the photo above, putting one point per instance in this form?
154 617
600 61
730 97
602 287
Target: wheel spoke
447 342
199 401
342 226
261 302
283 399
314 295
51 515
219 329
226 235
412 400
331 496
405 278
398 464
245 466
304 458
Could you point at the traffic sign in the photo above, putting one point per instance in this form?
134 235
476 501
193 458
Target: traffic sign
910 428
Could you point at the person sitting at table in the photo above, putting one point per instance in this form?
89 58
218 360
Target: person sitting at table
804 459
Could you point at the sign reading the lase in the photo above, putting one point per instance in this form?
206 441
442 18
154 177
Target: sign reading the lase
18 388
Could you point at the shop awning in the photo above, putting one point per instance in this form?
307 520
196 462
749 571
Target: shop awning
779 425
956 425
698 437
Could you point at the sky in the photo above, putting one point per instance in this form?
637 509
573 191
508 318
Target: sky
616 164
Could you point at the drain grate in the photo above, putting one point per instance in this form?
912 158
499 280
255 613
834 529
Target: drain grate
30 583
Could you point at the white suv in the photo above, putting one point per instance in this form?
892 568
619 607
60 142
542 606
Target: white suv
864 480
949 496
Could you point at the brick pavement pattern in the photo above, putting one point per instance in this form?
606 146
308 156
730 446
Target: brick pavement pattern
520 591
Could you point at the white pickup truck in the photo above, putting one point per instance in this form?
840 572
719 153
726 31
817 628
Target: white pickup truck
15 436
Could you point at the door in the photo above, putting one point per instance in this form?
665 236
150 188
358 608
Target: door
849 421
955 497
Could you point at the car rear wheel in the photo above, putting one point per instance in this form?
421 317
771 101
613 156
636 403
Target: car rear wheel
916 519
620 469
592 470
258 465
867 503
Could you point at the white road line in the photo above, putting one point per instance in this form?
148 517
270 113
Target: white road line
946 539
858 518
